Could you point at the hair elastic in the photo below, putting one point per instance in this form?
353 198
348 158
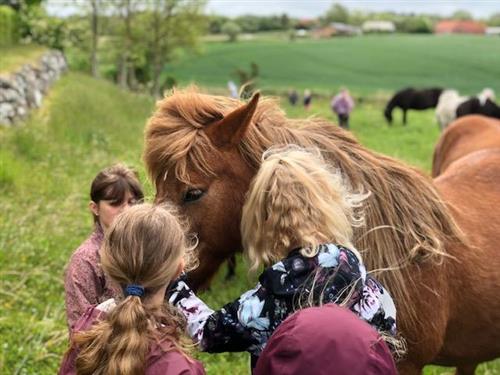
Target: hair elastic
134 290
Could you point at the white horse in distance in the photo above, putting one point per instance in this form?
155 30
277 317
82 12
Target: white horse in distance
449 100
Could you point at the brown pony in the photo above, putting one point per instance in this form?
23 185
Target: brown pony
202 151
464 136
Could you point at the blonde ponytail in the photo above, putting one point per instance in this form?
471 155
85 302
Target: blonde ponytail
142 249
124 335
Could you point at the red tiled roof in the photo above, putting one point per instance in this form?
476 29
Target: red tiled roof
456 26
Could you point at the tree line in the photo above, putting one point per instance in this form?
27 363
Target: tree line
132 42
128 41
404 22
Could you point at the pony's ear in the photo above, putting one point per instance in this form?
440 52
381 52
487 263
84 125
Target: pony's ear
229 131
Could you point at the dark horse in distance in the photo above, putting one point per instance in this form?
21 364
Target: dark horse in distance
411 98
474 106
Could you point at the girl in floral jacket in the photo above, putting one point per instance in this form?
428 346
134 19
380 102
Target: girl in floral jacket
297 222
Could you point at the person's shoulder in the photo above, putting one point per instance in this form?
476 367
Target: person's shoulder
172 362
88 249
94 314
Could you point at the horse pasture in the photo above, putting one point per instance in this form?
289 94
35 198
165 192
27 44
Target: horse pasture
46 166
364 64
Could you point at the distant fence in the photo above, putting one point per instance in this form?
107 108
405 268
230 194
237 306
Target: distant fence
8 26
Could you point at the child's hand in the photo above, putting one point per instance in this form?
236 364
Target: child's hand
178 289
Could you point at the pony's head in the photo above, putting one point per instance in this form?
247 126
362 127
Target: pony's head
202 152
192 152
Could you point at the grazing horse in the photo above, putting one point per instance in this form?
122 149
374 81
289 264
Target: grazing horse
411 98
451 105
475 106
446 110
464 136
201 152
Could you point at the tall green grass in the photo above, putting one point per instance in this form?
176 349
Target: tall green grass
46 168
13 57
365 64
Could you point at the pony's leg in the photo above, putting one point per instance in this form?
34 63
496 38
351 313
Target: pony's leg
404 116
466 369
231 267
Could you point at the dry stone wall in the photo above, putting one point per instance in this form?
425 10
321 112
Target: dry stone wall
24 90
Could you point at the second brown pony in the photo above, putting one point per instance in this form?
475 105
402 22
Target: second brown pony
202 151
464 136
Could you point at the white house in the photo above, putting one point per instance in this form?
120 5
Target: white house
492 30
378 27
345 29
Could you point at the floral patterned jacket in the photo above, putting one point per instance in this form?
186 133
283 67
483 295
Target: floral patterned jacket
334 275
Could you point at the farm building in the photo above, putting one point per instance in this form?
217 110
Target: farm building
345 29
378 27
459 27
493 30
336 29
323 32
306 23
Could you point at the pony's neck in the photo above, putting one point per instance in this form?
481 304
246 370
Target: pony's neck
390 106
406 220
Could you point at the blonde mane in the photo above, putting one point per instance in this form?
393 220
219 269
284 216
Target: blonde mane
407 222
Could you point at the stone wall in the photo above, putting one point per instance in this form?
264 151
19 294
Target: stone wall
24 90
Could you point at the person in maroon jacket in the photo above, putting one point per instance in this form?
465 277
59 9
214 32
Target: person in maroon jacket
143 251
113 190
327 340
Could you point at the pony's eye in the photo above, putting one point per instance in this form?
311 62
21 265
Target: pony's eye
193 195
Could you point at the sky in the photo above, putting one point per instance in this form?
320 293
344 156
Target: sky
314 8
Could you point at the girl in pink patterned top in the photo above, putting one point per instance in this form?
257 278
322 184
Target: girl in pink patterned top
137 332
112 190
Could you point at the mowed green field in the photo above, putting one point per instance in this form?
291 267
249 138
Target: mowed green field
46 166
365 64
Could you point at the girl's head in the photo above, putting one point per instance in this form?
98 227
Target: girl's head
146 245
144 249
296 200
113 189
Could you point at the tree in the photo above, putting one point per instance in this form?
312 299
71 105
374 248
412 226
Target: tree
416 24
248 23
173 25
285 22
125 10
17 4
494 19
336 13
94 9
36 26
231 29
215 23
357 17
462 15
94 22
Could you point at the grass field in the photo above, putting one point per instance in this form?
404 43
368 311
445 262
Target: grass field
364 64
46 166
12 58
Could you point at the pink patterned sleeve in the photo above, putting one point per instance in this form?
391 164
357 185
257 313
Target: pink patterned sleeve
82 286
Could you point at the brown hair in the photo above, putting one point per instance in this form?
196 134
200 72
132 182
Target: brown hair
113 183
143 246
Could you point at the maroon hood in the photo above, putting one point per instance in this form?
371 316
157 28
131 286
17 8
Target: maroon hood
325 340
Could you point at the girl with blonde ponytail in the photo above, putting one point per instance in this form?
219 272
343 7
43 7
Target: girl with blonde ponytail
143 251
